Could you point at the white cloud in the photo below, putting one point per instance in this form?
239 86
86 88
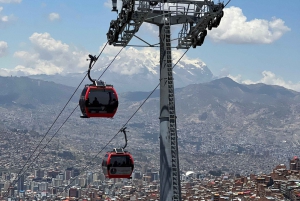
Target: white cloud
234 28
10 1
44 42
53 16
3 48
268 78
48 56
3 19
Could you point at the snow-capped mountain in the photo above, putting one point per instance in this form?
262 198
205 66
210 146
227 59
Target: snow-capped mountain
137 71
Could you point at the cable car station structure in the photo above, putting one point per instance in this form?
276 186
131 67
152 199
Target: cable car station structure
196 17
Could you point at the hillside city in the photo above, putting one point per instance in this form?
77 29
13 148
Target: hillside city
60 174
53 182
159 125
216 144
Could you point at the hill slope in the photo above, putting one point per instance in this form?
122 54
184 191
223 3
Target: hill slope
31 92
218 117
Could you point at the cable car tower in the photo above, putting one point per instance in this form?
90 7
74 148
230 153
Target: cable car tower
196 16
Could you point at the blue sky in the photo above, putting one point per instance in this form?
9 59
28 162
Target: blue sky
257 41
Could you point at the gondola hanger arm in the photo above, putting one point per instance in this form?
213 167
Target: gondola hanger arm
92 59
123 130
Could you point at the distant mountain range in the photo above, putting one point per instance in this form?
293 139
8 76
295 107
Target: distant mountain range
27 92
144 78
240 113
216 117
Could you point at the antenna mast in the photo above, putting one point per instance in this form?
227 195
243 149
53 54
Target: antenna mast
196 17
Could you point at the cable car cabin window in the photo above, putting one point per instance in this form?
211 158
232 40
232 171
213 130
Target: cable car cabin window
101 101
120 161
83 93
81 100
104 162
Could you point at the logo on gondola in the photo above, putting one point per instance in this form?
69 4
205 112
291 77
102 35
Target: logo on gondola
113 170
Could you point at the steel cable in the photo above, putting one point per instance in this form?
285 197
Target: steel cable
85 168
20 172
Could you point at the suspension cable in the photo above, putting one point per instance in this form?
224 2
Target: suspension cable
227 3
110 62
85 168
67 117
20 172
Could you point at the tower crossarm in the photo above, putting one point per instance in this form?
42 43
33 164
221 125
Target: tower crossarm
195 16
207 15
128 22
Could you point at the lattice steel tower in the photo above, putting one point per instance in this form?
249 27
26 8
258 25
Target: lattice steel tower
196 17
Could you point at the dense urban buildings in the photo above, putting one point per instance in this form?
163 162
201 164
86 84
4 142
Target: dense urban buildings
282 183
227 150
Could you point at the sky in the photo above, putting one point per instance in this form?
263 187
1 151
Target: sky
256 42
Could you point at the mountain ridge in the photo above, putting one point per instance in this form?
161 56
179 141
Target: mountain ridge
132 76
212 117
214 120
224 86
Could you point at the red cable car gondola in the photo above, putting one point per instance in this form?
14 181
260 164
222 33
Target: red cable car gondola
98 99
118 163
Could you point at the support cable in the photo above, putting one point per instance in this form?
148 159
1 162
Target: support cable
132 115
50 139
123 127
227 3
19 176
20 172
110 62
